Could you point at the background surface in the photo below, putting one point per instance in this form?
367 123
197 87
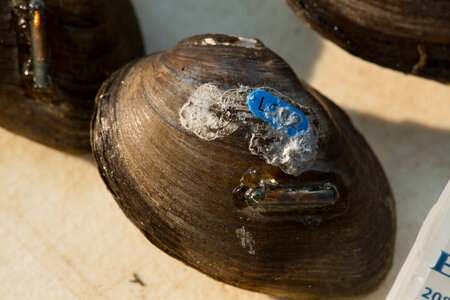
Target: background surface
62 236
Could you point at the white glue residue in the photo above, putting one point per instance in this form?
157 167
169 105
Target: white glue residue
292 154
212 113
245 42
246 239
241 42
209 41
206 115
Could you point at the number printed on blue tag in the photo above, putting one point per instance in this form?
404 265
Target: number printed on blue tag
277 113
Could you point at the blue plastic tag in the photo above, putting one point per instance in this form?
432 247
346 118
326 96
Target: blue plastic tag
277 113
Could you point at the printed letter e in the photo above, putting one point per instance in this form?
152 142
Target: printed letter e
442 262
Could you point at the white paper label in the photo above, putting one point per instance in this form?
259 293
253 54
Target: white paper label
437 285
426 271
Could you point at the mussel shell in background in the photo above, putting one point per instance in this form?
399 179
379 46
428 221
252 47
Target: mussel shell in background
179 189
85 41
409 36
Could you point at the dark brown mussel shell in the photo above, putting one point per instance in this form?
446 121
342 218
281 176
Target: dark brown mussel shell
304 215
412 36
54 55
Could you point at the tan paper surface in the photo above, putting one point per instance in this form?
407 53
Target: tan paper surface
62 236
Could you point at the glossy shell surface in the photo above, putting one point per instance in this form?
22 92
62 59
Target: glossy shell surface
229 194
409 36
54 55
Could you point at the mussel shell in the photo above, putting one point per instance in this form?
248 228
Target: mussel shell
84 42
178 189
409 36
